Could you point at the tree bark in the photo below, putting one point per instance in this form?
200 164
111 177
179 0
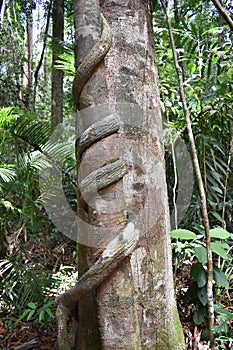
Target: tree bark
134 307
57 74
37 70
27 69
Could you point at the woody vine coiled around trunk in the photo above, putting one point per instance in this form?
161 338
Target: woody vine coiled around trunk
127 237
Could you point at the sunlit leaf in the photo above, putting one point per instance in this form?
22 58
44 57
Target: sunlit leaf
218 249
201 254
7 174
183 234
220 233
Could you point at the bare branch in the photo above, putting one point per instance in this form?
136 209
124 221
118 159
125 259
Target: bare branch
223 13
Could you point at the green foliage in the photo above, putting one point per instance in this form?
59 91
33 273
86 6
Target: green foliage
29 290
204 47
197 245
154 3
11 61
65 62
16 282
194 248
30 129
65 278
224 317
183 234
7 174
31 151
6 116
43 312
197 292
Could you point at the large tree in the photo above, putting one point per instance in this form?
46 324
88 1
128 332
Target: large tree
125 293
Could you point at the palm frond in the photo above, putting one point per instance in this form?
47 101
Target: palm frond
32 131
66 63
57 152
7 174
6 115
16 282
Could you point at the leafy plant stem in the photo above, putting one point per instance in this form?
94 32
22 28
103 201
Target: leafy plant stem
199 179
202 123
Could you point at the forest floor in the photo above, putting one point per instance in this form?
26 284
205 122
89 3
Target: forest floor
32 334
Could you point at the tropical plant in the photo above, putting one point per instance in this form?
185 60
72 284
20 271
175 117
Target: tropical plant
204 48
190 248
31 151
43 312
16 287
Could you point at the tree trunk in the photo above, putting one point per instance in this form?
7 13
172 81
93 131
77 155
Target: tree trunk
3 240
2 7
57 74
134 307
27 69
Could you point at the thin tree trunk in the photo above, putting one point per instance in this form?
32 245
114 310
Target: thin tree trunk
199 180
3 240
2 9
37 70
57 74
27 69
230 156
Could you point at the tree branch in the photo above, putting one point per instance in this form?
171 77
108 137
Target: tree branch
223 13
32 344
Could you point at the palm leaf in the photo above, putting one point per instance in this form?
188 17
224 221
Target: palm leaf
7 174
65 62
31 131
6 115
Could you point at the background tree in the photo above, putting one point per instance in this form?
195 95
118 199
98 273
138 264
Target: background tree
57 74
27 68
